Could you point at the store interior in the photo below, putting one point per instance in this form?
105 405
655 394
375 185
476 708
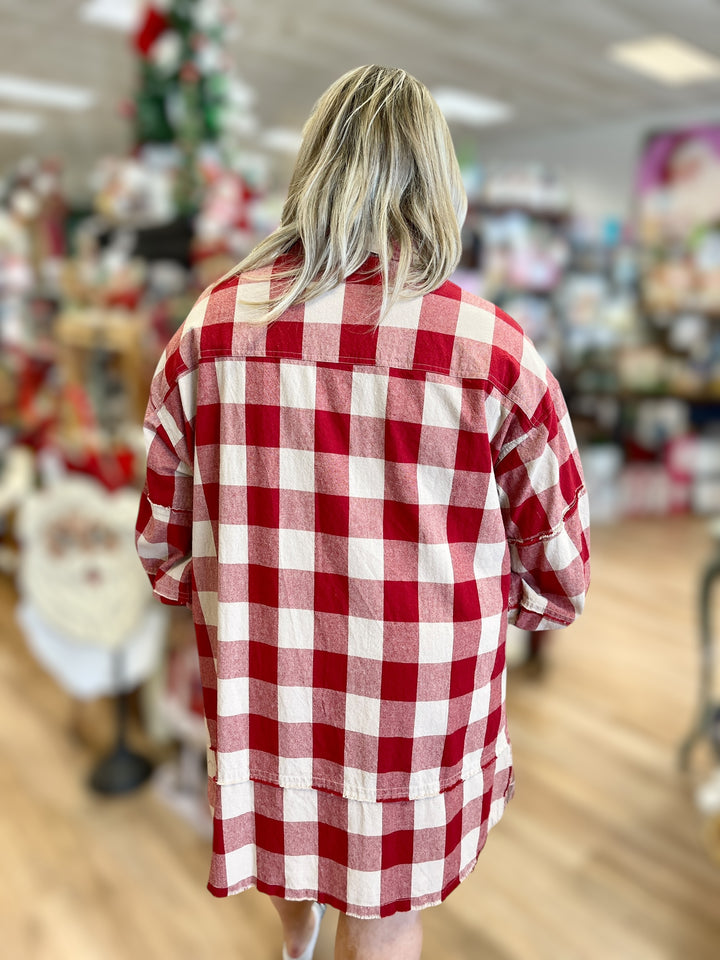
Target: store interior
145 148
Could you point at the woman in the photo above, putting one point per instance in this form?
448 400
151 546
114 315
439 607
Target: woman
358 474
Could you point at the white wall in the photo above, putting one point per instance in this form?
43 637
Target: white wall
597 161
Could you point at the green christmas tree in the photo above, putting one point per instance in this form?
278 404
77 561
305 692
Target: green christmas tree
183 87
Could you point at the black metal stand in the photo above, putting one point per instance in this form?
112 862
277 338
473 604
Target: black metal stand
707 723
121 770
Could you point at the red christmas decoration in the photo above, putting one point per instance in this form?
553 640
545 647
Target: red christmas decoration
152 25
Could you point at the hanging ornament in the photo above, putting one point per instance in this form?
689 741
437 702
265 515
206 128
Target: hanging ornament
166 53
154 22
208 15
189 73
209 58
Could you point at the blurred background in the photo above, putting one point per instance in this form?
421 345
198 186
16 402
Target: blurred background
145 148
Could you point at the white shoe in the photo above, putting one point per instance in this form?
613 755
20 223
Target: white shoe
307 954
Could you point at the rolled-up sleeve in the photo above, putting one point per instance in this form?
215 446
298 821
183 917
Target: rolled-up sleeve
163 532
545 509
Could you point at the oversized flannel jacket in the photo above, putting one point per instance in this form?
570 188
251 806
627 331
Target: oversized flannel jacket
354 518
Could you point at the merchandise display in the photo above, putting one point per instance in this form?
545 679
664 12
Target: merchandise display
77 565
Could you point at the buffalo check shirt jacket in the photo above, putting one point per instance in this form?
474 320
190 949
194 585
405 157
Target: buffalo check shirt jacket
353 518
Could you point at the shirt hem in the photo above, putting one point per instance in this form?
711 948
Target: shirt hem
388 796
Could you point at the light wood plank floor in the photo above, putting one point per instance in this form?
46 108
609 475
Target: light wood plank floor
600 854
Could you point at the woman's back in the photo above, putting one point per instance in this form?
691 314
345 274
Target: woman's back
350 560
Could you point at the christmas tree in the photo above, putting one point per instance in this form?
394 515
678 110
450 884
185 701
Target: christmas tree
183 84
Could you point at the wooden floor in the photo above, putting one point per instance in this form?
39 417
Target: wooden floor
599 856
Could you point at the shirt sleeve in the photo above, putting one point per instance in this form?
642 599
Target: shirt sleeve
545 509
163 531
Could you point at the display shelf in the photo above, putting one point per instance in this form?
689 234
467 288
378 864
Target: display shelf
80 332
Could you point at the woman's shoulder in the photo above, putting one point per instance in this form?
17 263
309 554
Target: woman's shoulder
492 346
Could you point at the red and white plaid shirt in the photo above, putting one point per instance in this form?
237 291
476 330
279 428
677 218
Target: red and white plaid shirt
354 518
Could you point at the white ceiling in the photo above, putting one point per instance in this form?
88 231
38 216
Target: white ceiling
544 57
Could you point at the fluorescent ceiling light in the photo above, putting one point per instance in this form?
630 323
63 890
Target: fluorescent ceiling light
117 14
44 93
12 121
465 8
461 106
282 139
667 59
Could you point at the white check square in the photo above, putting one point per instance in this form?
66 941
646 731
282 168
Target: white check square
365 558
435 563
425 787
480 707
442 404
294 704
469 847
560 551
369 394
365 638
488 559
427 877
297 384
406 313
233 621
431 718
434 483
363 887
359 784
495 416
327 308
203 543
232 543
187 385
475 323
299 805
490 633
365 819
301 872
237 798
532 360
366 477
297 549
296 628
362 714
233 696
544 472
233 465
230 380
430 812
240 864
297 469
435 642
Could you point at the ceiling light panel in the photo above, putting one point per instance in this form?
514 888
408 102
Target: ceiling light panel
667 59
116 14
43 93
13 121
471 109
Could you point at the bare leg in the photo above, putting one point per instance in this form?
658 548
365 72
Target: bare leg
398 937
297 921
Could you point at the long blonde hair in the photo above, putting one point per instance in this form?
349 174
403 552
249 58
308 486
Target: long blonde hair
376 172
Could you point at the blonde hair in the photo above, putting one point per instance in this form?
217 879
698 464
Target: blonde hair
376 172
